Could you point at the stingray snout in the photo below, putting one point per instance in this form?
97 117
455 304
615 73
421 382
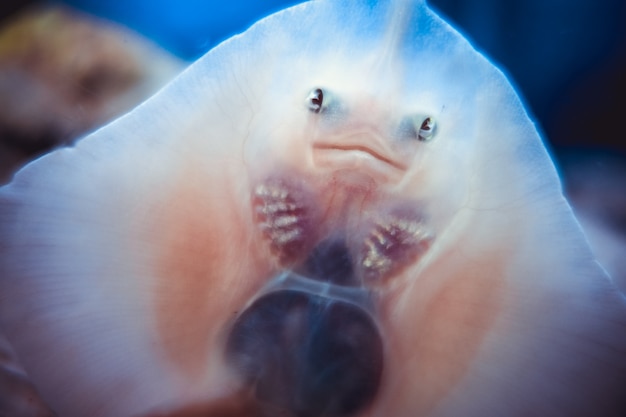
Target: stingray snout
362 145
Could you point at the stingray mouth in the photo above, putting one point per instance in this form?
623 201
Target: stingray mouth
355 154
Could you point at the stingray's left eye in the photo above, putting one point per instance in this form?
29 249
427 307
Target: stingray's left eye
315 100
427 129
418 127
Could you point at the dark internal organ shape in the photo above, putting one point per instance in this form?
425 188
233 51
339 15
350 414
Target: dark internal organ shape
285 220
394 242
306 355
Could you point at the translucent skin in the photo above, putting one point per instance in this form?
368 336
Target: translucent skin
125 260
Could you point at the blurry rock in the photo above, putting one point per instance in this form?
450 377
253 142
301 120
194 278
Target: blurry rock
62 74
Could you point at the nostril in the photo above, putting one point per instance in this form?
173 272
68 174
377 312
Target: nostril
307 355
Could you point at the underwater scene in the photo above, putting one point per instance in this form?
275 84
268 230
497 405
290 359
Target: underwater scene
312 209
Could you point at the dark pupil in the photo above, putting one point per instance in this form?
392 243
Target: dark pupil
425 124
318 98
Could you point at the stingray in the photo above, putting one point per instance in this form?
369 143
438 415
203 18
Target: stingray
343 211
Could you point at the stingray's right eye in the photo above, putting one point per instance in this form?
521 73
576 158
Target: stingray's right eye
315 100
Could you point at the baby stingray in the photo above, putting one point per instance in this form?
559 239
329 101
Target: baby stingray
344 211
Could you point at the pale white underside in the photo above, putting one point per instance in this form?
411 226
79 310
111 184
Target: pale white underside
80 240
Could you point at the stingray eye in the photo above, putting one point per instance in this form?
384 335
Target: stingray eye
427 129
315 100
418 127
